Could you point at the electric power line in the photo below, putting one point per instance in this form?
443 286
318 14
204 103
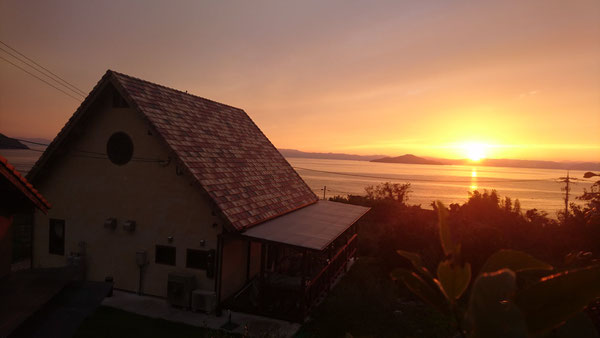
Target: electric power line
27 141
65 83
46 75
39 78
86 153
419 179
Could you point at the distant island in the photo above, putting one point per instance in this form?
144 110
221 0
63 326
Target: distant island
408 158
10 143
412 159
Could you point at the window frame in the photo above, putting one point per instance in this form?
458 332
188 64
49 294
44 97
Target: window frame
56 245
165 261
204 261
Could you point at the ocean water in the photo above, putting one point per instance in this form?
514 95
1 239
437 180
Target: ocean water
535 188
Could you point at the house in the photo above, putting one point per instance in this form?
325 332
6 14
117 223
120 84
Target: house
17 195
164 192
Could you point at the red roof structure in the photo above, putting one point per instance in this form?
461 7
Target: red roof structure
219 145
14 177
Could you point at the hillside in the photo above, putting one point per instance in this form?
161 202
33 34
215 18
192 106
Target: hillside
407 159
9 143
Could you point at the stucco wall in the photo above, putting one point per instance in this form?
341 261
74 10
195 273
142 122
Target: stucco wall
86 191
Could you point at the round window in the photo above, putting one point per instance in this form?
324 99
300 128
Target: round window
119 148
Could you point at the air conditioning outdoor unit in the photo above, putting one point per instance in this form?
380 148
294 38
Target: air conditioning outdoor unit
205 301
179 289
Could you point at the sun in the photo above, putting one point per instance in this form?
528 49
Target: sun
475 151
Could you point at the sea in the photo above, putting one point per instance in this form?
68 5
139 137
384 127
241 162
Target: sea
535 188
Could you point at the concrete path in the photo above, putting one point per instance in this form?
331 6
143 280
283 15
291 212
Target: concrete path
153 307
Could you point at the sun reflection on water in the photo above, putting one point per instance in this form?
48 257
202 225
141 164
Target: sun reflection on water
473 179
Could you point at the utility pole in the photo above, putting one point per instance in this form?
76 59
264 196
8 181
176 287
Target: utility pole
324 191
567 188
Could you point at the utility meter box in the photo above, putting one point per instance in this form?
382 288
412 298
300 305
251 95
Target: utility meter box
141 258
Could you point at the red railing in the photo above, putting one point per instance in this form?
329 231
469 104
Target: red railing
293 302
323 281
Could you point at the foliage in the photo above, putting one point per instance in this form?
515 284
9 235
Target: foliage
367 303
497 305
389 191
589 214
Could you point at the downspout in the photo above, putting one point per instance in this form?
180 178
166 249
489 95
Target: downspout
219 272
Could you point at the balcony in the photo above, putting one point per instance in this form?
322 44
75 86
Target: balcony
293 281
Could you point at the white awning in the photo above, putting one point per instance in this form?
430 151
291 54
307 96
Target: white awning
313 227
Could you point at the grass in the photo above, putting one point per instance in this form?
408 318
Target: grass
108 322
367 303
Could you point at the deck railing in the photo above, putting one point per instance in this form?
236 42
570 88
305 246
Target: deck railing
293 301
322 282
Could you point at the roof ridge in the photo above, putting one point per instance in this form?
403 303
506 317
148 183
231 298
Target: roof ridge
171 88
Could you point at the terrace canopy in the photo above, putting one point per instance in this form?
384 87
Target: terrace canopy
312 227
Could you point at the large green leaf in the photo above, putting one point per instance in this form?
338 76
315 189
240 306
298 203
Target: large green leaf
515 260
413 257
454 278
556 298
444 228
491 312
431 295
417 263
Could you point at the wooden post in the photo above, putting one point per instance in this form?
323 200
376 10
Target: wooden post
303 290
329 268
248 254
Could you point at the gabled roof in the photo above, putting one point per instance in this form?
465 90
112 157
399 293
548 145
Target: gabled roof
12 175
219 145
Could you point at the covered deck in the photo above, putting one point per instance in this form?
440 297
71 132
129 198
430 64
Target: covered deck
302 255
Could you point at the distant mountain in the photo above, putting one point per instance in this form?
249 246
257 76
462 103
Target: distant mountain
510 163
329 156
408 158
10 143
412 159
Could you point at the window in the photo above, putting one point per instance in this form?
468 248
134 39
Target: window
196 259
201 259
119 148
56 236
165 255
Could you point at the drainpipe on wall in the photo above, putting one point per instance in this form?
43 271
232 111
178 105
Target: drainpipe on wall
141 259
219 272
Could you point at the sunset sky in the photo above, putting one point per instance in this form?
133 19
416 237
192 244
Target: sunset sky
518 79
